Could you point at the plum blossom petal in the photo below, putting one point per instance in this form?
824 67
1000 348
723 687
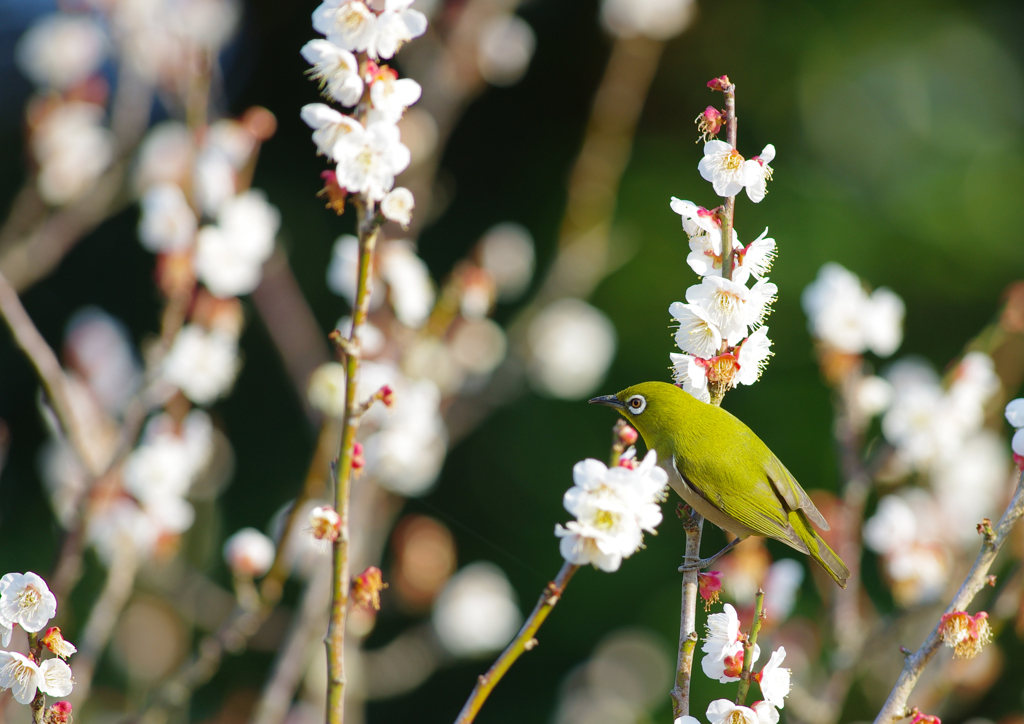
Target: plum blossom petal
329 126
26 600
348 24
697 334
336 69
722 165
19 674
691 375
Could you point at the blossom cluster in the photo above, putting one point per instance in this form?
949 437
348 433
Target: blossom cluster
938 433
26 601
723 661
613 508
366 146
721 332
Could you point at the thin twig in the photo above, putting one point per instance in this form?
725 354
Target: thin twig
895 707
748 649
524 641
368 226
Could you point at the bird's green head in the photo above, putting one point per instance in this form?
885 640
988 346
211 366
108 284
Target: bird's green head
655 409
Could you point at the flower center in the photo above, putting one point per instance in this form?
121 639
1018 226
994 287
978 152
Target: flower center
728 302
732 161
29 597
364 159
605 520
350 19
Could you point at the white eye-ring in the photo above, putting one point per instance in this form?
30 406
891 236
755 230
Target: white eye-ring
636 404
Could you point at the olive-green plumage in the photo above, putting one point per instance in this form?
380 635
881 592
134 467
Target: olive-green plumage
724 471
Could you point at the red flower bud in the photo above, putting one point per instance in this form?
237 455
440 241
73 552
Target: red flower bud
721 83
358 461
627 434
709 585
58 713
335 194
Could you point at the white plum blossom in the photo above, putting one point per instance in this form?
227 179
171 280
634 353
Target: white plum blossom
396 25
249 553
697 334
781 586
167 222
6 631
230 255
723 711
348 24
476 613
571 347
699 224
336 69
165 156
391 95
775 680
613 508
23 676
61 50
766 713
726 305
397 206
722 165
202 364
754 260
25 599
757 172
724 647
893 526
328 125
843 315
753 356
370 158
1015 412
691 375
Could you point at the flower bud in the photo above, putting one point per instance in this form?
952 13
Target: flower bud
325 523
625 433
366 588
386 395
709 585
965 634
54 641
58 713
334 193
709 123
721 83
397 206
917 717
358 461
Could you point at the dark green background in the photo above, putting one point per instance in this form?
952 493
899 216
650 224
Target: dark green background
900 155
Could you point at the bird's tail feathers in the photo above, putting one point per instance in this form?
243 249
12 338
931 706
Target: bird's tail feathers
828 559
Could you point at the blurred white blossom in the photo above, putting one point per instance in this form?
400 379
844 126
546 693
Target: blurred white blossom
336 69
369 159
98 347
476 613
844 316
167 222
230 255
72 149
572 344
507 43
249 553
61 50
657 19
506 253
202 364
397 206
410 288
164 156
326 391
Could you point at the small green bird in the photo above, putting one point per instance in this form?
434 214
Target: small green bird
724 471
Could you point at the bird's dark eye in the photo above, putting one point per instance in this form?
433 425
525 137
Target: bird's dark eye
637 404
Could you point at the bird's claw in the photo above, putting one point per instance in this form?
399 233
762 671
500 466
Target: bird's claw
696 564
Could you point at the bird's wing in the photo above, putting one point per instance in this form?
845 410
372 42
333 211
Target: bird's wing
791 493
754 503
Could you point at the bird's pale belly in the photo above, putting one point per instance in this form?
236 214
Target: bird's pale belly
696 501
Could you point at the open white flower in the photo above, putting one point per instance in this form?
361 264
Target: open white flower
723 646
397 206
329 126
723 711
775 680
398 24
697 334
726 304
755 259
348 24
699 222
202 364
759 301
369 159
766 713
391 95
757 172
753 356
613 508
691 375
722 165
26 600
336 69
842 314
23 676
167 222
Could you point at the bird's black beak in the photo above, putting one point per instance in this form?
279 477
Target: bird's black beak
608 401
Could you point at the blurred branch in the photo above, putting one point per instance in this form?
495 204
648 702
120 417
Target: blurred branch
524 641
47 367
895 707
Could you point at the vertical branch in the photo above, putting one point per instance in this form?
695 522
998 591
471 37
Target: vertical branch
895 707
729 208
524 641
748 649
693 525
368 226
